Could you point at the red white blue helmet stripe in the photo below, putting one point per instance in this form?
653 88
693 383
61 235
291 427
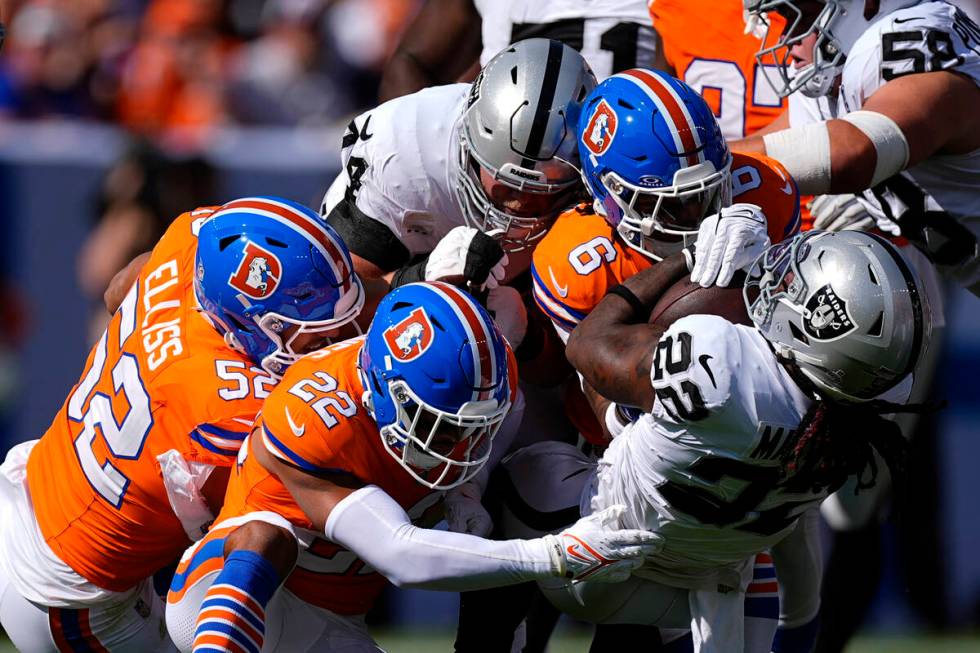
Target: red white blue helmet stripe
675 112
481 342
305 225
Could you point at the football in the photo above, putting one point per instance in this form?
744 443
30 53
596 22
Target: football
687 298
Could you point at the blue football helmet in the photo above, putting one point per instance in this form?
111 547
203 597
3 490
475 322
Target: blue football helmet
436 381
654 159
265 265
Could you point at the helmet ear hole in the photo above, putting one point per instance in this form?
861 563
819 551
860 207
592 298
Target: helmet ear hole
797 334
875 329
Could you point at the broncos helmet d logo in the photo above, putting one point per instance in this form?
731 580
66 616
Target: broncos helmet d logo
258 273
601 130
409 339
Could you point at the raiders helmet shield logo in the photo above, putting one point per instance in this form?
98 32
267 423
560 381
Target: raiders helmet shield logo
258 274
601 129
826 316
409 339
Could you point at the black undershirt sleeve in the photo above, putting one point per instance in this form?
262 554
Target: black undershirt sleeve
367 237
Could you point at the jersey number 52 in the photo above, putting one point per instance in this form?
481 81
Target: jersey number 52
124 437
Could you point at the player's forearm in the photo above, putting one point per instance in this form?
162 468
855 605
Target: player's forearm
755 142
377 529
612 346
844 155
403 75
123 281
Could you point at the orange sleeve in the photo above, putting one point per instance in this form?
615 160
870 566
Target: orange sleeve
571 266
308 421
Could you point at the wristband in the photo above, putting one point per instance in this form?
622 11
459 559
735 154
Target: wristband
641 313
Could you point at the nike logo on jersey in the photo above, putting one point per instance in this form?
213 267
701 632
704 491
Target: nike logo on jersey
562 291
703 359
352 134
298 431
906 20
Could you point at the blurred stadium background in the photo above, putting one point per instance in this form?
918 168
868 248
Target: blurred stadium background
116 115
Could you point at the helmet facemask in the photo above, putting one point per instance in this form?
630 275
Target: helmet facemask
659 222
815 79
274 325
517 230
439 449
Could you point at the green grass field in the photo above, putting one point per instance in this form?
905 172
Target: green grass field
439 642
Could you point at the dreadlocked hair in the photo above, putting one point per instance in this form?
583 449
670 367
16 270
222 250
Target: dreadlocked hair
840 440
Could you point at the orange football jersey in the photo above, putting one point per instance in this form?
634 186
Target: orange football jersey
582 257
315 421
705 43
160 379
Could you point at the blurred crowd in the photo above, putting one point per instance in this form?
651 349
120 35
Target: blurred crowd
159 67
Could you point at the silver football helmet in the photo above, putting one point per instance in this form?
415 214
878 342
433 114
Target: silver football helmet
837 25
844 307
517 163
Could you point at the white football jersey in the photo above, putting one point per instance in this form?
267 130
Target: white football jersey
941 192
703 468
399 165
612 35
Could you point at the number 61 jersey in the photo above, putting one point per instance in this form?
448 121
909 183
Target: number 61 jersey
114 482
703 467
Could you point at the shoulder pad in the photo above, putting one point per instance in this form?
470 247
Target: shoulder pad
570 266
763 181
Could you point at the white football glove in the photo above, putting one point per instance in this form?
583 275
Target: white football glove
509 314
727 242
840 213
467 254
594 549
465 512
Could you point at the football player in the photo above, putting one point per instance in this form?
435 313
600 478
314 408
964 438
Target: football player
704 44
657 166
431 179
903 132
652 198
136 462
354 448
743 428
444 42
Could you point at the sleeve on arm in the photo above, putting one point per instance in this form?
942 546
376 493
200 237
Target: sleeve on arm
553 301
222 438
367 237
292 432
371 524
